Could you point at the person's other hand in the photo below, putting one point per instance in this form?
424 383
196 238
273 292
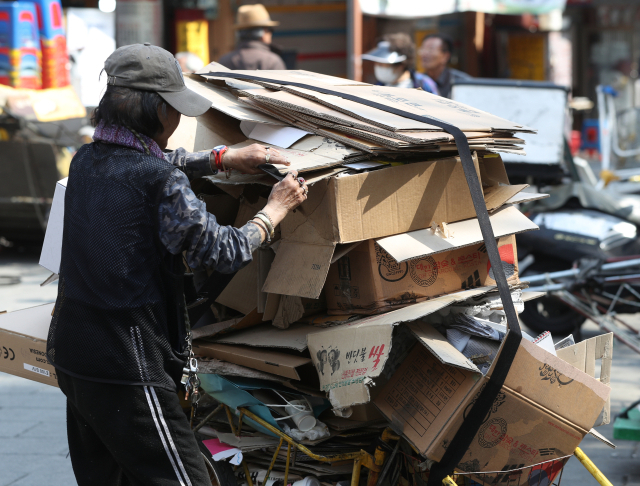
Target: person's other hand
285 196
247 159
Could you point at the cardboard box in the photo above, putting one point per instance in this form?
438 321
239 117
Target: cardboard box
346 209
533 418
23 344
367 280
350 357
52 245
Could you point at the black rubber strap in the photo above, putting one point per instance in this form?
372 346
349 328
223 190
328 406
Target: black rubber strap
472 422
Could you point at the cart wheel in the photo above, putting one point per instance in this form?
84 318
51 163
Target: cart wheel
220 473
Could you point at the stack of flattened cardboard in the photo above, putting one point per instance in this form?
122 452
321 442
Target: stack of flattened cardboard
349 300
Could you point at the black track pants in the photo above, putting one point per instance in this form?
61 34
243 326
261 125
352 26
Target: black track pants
129 435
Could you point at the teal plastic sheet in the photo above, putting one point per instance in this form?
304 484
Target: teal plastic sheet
233 391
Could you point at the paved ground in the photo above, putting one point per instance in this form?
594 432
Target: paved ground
33 448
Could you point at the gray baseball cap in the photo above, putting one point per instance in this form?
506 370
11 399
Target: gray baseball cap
151 68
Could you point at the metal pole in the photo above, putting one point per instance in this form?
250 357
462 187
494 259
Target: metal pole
575 271
591 467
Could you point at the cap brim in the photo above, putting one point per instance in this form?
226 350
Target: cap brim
187 102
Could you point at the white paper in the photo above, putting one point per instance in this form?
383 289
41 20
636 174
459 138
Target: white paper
283 137
233 452
458 339
52 246
246 127
545 341
236 460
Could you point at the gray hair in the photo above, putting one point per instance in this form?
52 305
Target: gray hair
251 34
193 62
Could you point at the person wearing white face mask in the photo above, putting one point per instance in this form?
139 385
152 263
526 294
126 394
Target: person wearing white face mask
394 58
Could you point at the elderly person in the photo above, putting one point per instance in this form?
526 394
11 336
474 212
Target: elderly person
254 51
394 59
435 53
119 337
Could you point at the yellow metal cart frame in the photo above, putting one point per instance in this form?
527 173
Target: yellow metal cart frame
373 463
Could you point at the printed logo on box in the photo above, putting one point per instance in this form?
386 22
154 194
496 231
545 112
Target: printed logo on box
389 269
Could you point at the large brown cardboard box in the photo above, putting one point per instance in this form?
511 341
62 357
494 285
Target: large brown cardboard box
344 209
544 410
23 344
367 280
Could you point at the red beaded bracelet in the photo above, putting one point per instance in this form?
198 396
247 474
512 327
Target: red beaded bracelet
218 153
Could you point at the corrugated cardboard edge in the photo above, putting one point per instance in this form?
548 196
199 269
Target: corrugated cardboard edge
262 360
390 243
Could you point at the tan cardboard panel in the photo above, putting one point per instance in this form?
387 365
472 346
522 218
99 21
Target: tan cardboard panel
271 306
224 101
326 147
290 310
185 134
422 396
364 113
216 128
371 337
299 269
295 76
252 319
299 160
527 296
264 258
241 293
440 347
23 336
425 242
422 103
267 336
497 196
583 356
524 197
259 359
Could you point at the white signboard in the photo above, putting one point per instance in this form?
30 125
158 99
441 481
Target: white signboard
541 108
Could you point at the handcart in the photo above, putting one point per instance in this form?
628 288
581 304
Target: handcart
547 473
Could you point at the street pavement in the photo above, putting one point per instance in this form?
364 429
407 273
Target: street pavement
33 443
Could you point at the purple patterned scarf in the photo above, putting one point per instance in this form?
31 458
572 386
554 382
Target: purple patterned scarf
123 136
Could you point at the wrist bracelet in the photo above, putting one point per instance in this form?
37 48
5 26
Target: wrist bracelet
266 221
219 151
269 217
262 226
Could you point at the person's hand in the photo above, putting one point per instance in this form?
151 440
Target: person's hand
247 159
285 196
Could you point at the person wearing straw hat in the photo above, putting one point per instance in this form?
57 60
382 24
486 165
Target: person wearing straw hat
254 31
120 336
